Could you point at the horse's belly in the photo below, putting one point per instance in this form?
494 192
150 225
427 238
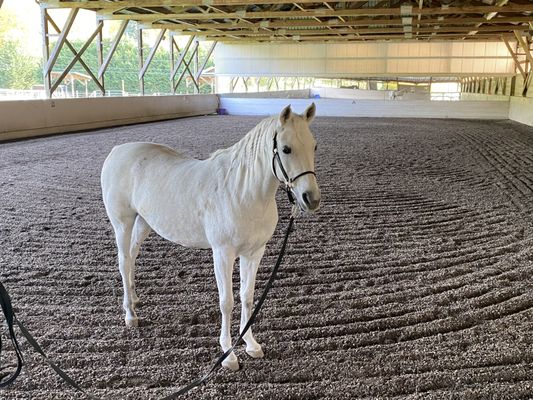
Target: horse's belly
178 227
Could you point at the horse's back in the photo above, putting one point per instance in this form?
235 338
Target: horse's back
132 152
128 162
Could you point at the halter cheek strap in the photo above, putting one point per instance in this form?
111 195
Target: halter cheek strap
289 182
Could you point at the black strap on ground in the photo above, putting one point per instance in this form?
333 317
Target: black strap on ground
7 309
5 302
11 320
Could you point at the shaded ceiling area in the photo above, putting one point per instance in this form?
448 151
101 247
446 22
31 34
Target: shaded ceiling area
309 20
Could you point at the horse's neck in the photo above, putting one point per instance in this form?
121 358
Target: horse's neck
250 166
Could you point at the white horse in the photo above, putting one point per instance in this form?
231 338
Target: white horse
226 203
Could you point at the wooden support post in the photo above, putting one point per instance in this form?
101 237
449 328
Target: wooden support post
151 55
179 63
529 61
524 47
517 62
171 55
60 41
196 66
269 84
187 66
504 86
208 55
105 63
46 51
141 59
100 53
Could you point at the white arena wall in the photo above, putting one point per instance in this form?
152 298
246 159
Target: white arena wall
521 110
372 108
19 119
471 106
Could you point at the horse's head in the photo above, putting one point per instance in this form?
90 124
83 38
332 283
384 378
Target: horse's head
294 156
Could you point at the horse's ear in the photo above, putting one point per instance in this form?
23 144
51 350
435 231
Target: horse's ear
285 114
310 112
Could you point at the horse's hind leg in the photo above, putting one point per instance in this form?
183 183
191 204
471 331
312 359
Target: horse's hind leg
123 227
141 230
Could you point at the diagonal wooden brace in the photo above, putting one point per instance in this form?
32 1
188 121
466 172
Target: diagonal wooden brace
114 45
152 53
187 69
76 58
201 69
60 41
73 50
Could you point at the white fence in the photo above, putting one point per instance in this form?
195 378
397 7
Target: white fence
15 94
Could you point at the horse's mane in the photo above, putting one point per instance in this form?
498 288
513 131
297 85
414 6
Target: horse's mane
249 142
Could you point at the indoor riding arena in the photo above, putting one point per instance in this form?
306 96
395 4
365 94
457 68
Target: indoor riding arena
414 279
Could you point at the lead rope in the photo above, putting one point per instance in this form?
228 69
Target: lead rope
11 320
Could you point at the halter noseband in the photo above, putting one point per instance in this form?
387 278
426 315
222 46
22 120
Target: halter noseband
289 182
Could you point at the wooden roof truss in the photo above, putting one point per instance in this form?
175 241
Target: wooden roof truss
311 20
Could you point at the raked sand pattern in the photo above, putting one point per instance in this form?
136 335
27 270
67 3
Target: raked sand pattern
414 281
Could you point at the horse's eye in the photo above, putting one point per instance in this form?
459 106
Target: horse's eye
287 150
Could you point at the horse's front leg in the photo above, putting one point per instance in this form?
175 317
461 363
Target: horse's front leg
224 260
248 271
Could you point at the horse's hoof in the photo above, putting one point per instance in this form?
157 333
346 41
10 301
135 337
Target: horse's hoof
132 322
231 362
255 353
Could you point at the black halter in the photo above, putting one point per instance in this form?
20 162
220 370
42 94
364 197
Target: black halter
286 179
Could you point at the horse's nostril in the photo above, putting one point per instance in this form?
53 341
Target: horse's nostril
306 198
310 201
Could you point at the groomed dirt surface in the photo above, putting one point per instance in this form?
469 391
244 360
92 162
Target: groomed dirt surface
414 281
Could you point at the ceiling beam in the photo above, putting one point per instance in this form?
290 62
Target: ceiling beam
345 31
319 12
355 38
333 23
116 5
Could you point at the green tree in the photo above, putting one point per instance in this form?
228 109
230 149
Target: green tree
17 70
